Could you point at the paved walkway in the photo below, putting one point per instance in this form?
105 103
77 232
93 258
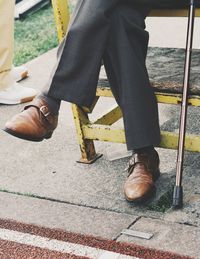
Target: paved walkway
41 183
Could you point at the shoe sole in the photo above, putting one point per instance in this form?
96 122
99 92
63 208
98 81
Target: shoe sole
24 137
23 76
27 99
145 198
23 100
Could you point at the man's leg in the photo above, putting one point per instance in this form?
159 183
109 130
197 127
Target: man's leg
75 76
124 60
6 42
124 55
76 73
10 91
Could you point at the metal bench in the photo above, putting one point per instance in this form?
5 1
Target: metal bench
102 129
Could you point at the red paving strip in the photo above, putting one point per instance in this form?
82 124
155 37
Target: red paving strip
10 250
97 242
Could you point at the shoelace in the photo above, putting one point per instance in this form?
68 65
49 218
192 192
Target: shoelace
131 164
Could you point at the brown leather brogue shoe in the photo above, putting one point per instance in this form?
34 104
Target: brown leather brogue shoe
35 123
143 171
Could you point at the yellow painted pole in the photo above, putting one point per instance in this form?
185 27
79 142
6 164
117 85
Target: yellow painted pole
62 16
87 148
108 133
168 98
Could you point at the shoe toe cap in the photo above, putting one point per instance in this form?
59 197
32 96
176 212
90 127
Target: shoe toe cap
134 192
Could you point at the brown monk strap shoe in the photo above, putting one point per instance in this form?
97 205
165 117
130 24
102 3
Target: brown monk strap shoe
35 123
143 171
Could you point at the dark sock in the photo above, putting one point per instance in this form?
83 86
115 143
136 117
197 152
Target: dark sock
53 103
143 150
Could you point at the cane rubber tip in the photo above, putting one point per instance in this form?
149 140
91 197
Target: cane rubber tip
178 197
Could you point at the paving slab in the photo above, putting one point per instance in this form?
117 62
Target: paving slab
67 217
168 236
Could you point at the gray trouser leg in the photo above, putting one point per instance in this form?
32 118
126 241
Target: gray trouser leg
124 60
79 57
113 29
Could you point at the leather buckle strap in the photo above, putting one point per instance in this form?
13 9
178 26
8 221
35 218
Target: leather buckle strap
136 159
45 111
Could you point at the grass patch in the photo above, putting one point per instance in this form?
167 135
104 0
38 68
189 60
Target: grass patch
34 35
164 203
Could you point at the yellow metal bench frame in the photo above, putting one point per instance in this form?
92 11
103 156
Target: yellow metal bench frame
101 129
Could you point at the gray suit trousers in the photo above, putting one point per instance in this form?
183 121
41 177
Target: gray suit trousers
112 30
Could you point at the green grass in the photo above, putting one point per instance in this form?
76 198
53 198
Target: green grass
34 36
164 203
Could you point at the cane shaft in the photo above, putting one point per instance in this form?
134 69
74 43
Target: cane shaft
184 106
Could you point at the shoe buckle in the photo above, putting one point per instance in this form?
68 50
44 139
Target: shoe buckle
45 111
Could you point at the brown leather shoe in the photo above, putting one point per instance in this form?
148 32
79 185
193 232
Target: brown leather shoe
35 123
143 172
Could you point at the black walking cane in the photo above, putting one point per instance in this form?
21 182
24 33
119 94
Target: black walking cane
178 189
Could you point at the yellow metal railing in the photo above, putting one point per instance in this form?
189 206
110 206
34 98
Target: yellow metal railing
102 128
62 17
